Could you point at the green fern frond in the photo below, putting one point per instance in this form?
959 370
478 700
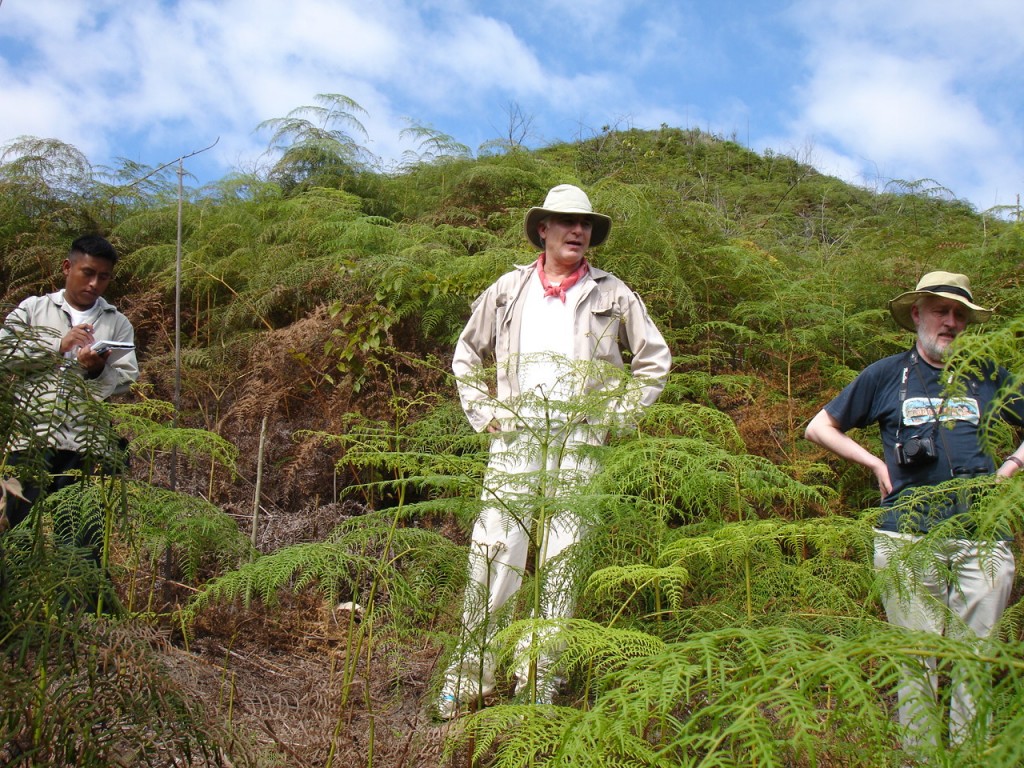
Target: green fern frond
629 580
139 420
201 536
343 564
695 421
700 480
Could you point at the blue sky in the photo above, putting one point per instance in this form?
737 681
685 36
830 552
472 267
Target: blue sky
869 91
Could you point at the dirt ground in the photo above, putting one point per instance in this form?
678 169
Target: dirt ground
279 677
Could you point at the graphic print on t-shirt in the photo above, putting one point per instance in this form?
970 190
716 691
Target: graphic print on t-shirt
922 410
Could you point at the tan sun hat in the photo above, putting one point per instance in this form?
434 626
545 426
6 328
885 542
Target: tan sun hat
947 285
565 198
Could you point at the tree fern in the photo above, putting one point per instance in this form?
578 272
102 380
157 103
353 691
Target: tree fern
314 145
202 538
337 566
700 480
146 421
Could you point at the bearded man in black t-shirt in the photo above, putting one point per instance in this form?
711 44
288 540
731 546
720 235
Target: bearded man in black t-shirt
929 436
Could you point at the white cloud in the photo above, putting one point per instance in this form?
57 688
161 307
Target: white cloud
170 72
923 88
907 88
178 74
459 61
591 19
877 103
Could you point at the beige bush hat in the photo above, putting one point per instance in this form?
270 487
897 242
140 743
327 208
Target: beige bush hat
565 198
948 285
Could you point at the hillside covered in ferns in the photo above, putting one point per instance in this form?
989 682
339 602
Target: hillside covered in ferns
289 544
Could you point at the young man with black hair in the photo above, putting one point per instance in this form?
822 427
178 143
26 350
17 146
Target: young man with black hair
52 338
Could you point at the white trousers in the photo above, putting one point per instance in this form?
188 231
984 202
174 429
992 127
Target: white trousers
967 598
527 478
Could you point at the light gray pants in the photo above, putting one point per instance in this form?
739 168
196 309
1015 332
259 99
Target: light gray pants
970 599
526 479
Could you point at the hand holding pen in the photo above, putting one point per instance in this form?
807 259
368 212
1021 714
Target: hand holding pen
79 336
80 340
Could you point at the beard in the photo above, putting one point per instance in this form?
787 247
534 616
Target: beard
934 347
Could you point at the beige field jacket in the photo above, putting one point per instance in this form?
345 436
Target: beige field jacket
609 317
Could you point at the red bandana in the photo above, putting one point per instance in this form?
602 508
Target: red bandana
567 283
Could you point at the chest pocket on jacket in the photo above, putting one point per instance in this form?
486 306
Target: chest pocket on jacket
605 325
500 312
502 318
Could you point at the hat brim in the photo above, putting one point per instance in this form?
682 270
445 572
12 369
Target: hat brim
901 307
601 225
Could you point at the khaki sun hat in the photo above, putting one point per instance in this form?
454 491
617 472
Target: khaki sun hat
565 198
947 285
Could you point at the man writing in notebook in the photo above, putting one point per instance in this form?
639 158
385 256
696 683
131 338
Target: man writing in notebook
51 340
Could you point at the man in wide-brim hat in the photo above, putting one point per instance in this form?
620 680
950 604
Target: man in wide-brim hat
930 436
566 200
946 285
554 331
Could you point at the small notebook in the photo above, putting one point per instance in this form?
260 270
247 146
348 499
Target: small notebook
117 349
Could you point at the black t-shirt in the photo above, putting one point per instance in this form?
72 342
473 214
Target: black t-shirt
874 398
